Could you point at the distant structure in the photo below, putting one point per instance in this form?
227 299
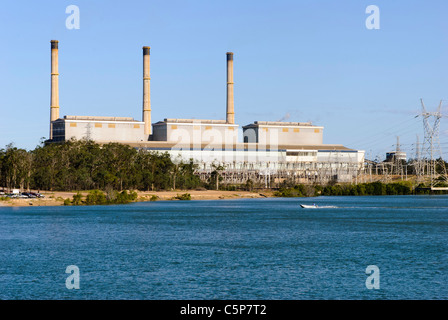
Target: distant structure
396 159
396 155
270 152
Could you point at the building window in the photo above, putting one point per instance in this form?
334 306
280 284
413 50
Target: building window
111 125
136 126
301 153
98 125
72 124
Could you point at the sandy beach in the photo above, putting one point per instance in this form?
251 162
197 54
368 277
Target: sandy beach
57 198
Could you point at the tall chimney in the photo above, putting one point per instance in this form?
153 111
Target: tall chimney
230 118
54 99
146 92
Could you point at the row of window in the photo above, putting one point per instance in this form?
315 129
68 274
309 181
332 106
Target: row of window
301 153
294 130
174 127
100 125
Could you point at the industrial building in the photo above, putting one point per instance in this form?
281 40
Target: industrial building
262 151
393 156
118 129
288 133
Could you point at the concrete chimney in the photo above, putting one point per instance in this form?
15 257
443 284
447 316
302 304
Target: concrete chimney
146 92
230 118
54 99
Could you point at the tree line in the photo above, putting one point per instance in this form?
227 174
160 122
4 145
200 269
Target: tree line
86 165
361 189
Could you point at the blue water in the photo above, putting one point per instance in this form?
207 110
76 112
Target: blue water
229 249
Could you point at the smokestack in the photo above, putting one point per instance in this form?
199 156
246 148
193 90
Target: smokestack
54 99
230 118
146 92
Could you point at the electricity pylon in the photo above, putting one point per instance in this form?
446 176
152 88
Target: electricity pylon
398 159
431 147
418 165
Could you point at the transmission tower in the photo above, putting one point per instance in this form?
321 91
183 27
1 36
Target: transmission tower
88 134
418 165
398 159
431 151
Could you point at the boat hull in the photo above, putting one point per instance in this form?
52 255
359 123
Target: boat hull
308 206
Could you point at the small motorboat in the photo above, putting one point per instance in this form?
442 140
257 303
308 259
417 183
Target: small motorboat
308 206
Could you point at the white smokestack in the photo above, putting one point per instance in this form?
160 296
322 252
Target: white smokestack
54 98
230 116
146 92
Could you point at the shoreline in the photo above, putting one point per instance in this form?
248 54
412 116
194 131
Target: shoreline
57 198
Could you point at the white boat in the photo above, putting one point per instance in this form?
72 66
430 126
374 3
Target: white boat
308 206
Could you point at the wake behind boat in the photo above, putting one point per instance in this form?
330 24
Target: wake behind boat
308 206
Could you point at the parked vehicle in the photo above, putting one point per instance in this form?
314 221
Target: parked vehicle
29 194
22 195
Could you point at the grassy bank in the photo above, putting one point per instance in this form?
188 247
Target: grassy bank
59 198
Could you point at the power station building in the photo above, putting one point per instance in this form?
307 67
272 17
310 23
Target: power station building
266 150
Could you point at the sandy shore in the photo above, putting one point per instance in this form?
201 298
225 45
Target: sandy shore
57 198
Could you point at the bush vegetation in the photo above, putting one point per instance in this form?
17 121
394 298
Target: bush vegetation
185 196
86 165
361 189
97 197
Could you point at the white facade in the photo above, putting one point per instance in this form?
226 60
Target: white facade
192 131
279 133
99 129
249 157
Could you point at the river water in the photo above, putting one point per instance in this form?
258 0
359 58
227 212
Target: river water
229 249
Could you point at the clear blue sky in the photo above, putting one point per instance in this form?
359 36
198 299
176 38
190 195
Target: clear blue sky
313 60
